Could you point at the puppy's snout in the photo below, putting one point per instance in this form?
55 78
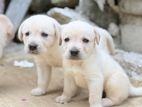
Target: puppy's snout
33 46
74 52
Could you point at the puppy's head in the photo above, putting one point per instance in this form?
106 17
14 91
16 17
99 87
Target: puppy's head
78 40
39 33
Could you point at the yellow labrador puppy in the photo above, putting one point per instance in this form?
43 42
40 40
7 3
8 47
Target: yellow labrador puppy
6 32
87 65
40 34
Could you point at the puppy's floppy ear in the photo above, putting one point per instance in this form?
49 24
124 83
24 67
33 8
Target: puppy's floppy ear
62 27
20 34
60 41
97 37
57 28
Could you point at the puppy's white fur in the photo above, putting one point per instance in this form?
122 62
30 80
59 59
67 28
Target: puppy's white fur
6 32
93 69
44 32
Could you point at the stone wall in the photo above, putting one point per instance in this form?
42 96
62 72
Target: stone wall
94 13
131 24
44 5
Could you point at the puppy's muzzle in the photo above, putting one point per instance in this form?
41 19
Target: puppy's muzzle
33 48
74 53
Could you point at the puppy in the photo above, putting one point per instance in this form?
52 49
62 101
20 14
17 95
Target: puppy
88 65
40 34
6 32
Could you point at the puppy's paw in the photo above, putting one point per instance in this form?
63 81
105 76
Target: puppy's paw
38 92
62 99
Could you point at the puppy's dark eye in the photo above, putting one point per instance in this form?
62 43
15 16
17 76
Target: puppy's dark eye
27 33
44 34
66 39
85 40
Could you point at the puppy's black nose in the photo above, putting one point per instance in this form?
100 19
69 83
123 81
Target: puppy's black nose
33 47
74 52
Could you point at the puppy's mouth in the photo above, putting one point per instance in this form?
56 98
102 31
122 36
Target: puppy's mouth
75 58
35 52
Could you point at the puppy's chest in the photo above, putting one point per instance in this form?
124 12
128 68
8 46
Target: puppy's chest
52 61
79 76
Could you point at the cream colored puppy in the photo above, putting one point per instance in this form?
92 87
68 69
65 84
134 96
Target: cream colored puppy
89 66
40 34
6 32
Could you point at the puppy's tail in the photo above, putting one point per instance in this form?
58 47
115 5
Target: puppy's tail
135 91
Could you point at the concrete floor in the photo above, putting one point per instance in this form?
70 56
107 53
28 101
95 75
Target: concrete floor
16 84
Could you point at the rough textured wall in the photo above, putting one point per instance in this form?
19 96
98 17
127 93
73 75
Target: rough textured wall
131 25
101 18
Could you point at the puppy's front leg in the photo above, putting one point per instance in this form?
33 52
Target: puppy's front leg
95 85
69 90
43 76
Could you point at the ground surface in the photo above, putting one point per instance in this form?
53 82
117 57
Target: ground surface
16 83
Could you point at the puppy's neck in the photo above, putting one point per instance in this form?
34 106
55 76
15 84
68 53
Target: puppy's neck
72 63
54 48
